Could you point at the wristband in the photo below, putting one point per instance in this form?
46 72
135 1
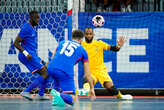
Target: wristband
25 53
115 48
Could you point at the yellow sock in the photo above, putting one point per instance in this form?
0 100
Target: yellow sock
76 92
119 95
86 86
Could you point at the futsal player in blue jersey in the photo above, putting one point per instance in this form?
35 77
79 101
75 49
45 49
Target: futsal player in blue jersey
26 43
61 68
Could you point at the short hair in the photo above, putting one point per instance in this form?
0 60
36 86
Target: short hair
87 28
77 34
31 13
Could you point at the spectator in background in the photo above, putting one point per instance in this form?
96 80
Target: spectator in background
122 5
113 5
126 5
102 5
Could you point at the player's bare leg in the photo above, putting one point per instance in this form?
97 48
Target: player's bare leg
111 89
114 91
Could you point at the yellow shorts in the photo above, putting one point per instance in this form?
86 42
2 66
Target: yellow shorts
101 76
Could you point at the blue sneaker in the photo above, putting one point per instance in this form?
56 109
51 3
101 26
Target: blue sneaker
26 95
57 100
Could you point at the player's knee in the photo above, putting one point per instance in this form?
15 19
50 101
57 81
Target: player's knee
45 76
108 84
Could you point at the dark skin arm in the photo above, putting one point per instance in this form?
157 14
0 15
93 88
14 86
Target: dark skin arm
17 42
90 80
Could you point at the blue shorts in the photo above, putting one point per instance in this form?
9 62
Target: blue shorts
62 80
33 65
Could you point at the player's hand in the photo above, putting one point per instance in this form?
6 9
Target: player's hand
46 65
29 57
121 41
92 95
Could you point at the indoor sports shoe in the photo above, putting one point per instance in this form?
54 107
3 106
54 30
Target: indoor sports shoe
57 100
127 97
38 97
82 92
26 95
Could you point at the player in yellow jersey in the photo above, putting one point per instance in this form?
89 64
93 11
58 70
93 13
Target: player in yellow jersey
98 70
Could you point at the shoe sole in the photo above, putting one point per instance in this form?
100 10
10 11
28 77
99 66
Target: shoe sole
26 97
128 98
41 99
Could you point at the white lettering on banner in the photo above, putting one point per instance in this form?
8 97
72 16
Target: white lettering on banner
123 56
5 58
107 34
45 41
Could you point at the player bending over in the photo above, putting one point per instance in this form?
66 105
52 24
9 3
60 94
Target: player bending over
61 68
97 67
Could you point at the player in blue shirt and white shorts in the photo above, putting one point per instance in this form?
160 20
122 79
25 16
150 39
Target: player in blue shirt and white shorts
61 68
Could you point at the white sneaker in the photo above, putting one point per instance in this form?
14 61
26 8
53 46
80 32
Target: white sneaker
82 92
127 97
26 95
38 97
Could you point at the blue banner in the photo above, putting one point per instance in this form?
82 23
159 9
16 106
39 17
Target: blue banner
140 62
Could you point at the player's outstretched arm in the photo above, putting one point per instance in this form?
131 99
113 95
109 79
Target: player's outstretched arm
17 42
90 80
120 43
53 54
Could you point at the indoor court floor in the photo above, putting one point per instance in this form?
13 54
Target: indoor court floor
101 103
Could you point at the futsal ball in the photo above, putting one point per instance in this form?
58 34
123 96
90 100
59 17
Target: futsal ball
98 21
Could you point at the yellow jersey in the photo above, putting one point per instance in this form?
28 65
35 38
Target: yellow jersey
95 53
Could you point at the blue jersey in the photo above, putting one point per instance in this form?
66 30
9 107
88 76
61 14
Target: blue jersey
68 53
29 36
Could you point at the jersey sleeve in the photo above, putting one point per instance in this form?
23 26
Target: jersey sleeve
85 55
104 45
23 32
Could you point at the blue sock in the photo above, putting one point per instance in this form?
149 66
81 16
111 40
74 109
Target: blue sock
56 84
58 89
67 98
39 80
42 88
